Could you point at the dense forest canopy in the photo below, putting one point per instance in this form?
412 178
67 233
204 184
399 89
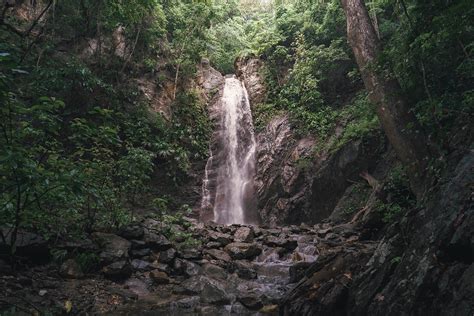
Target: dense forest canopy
80 148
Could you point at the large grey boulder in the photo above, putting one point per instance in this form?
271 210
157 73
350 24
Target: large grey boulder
240 250
113 247
211 291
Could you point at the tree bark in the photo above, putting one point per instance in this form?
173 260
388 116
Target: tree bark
398 122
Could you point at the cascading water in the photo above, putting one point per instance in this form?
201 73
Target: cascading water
228 186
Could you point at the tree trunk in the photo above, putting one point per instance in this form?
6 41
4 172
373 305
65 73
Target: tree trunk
398 123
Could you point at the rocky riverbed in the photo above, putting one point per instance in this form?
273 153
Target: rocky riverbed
225 270
421 264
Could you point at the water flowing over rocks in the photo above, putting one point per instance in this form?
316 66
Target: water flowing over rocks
419 265
228 185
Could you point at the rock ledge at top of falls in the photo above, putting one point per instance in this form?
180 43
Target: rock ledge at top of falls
209 78
248 70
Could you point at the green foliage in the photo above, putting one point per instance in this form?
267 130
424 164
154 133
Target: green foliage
361 120
80 147
226 41
88 261
175 226
262 114
399 196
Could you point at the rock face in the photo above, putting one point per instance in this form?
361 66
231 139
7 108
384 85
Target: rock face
422 266
248 70
297 180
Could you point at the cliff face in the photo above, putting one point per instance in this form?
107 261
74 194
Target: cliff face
297 180
422 265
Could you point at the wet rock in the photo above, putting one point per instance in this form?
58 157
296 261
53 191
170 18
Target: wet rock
140 253
251 302
244 234
133 231
138 244
140 265
298 270
214 294
218 254
27 245
187 302
117 270
244 269
137 286
223 239
210 290
159 277
186 267
213 245
288 244
209 311
257 231
161 267
239 309
214 271
167 256
156 241
190 254
70 269
239 250
113 247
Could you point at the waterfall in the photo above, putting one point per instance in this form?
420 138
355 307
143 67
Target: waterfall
228 186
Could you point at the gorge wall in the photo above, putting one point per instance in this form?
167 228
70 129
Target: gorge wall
298 180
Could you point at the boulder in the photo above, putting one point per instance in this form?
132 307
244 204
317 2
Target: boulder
240 250
167 256
140 265
117 270
187 302
298 270
70 269
213 245
186 267
244 234
161 267
159 277
244 269
190 254
281 242
252 302
210 290
132 231
218 254
214 272
223 239
140 253
156 241
113 247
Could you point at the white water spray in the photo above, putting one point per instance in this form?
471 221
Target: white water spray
232 163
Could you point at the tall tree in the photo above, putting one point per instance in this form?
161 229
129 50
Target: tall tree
399 123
